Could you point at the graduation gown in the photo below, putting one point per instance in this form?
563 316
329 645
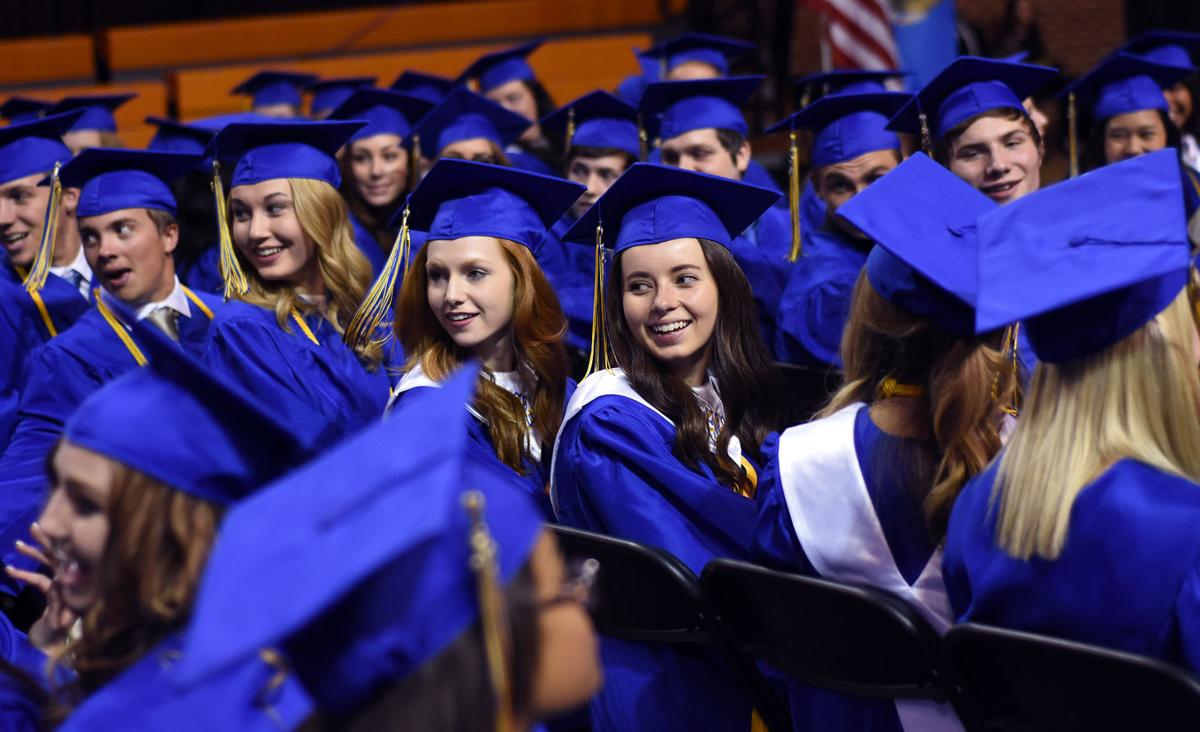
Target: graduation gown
614 473
762 252
832 504
57 377
19 710
816 302
368 245
310 380
249 696
1128 577
571 269
204 273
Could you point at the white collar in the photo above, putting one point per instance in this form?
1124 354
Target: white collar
177 301
78 264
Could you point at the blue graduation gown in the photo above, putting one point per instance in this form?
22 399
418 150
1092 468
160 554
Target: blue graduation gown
204 273
900 517
757 175
147 696
816 302
368 245
19 711
528 161
762 253
288 370
571 269
57 377
614 473
1128 577
812 209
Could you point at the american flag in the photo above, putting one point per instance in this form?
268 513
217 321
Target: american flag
857 33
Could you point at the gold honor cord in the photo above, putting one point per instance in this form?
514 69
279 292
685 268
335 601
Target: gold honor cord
598 348
794 193
493 615
40 303
231 271
304 327
374 307
1072 136
119 329
208 313
40 269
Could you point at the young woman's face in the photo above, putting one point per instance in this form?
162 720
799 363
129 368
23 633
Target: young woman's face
267 231
999 157
1133 134
470 287
75 520
379 165
477 149
670 302
693 71
1179 99
568 663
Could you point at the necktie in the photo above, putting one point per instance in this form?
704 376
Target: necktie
74 278
167 321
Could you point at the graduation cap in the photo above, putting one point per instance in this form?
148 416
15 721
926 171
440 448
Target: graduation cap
1088 261
179 424
1124 83
922 219
1170 48
397 586
218 122
969 86
632 87
178 137
461 198
846 126
385 112
116 179
716 51
651 204
275 87
23 109
811 87
597 120
702 104
430 87
496 69
268 151
465 115
329 93
97 110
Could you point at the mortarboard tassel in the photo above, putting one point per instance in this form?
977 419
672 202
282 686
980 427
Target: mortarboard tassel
231 270
926 138
570 134
379 298
598 350
1072 136
493 615
40 269
642 139
794 193
1010 352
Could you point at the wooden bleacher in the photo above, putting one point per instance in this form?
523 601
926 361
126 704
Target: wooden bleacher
49 59
151 99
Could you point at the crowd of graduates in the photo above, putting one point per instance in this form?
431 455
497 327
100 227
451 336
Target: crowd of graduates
287 403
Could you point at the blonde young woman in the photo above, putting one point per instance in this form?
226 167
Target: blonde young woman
295 276
1085 527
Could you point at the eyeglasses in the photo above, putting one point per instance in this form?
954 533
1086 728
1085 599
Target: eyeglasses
577 584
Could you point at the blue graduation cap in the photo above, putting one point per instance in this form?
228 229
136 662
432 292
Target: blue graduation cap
218 122
969 86
23 109
597 120
329 93
1124 83
114 179
847 125
716 51
632 87
275 87
465 115
384 111
922 219
1170 48
211 439
500 67
397 586
286 149
178 137
1088 261
430 87
97 110
34 146
696 105
811 87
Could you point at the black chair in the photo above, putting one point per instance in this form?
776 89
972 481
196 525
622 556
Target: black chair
851 640
1021 681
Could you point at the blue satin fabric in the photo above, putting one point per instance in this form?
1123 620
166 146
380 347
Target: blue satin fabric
571 269
762 253
816 302
368 246
19 712
204 273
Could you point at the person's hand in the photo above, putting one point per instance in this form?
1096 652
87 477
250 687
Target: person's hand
52 627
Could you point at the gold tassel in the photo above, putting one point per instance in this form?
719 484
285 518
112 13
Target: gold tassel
643 139
598 351
40 269
493 615
926 138
1010 352
415 163
889 388
379 298
794 193
570 134
231 271
1072 136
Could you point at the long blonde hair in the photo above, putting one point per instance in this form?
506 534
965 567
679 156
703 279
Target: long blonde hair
345 271
1137 399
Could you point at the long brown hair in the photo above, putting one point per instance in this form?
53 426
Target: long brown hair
158 542
538 327
965 383
740 362
345 271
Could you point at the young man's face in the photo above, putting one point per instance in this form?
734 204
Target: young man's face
597 174
835 184
702 151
